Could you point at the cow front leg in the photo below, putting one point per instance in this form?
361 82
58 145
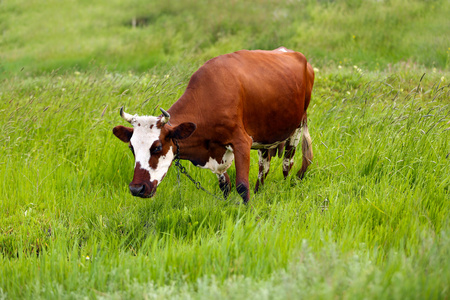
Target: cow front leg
264 166
224 184
242 163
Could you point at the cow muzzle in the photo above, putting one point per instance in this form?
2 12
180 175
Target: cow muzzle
142 190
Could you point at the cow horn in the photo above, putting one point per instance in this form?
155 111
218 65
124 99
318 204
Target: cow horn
166 116
125 116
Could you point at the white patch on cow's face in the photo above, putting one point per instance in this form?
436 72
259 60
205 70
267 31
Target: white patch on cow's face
222 167
164 163
144 135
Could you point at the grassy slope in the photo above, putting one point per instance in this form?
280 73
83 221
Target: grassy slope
369 220
46 35
381 167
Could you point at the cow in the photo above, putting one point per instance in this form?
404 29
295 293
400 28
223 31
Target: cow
234 103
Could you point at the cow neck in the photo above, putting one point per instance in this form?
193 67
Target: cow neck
180 112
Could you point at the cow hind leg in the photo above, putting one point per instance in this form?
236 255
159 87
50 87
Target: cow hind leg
289 151
306 150
264 166
224 184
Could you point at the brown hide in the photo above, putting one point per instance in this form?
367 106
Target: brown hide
243 99
258 93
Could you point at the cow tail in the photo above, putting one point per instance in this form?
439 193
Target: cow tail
306 138
307 152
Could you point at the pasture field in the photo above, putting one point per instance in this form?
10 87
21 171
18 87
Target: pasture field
370 220
39 35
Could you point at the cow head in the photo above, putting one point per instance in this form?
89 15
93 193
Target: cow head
151 139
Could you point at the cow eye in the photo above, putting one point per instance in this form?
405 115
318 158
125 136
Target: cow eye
156 149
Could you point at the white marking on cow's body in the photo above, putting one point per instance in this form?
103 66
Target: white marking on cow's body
294 140
287 164
144 135
263 163
282 49
222 167
222 178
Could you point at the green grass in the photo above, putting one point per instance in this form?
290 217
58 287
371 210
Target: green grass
369 220
372 211
46 35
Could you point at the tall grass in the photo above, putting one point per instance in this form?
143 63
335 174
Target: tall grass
80 35
372 211
369 220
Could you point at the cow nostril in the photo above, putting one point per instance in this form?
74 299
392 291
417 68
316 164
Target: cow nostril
136 189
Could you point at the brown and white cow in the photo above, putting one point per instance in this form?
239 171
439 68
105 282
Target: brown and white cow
234 103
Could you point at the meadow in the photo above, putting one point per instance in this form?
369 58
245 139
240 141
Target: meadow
370 219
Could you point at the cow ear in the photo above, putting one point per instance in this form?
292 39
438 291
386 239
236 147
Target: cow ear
123 133
182 131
